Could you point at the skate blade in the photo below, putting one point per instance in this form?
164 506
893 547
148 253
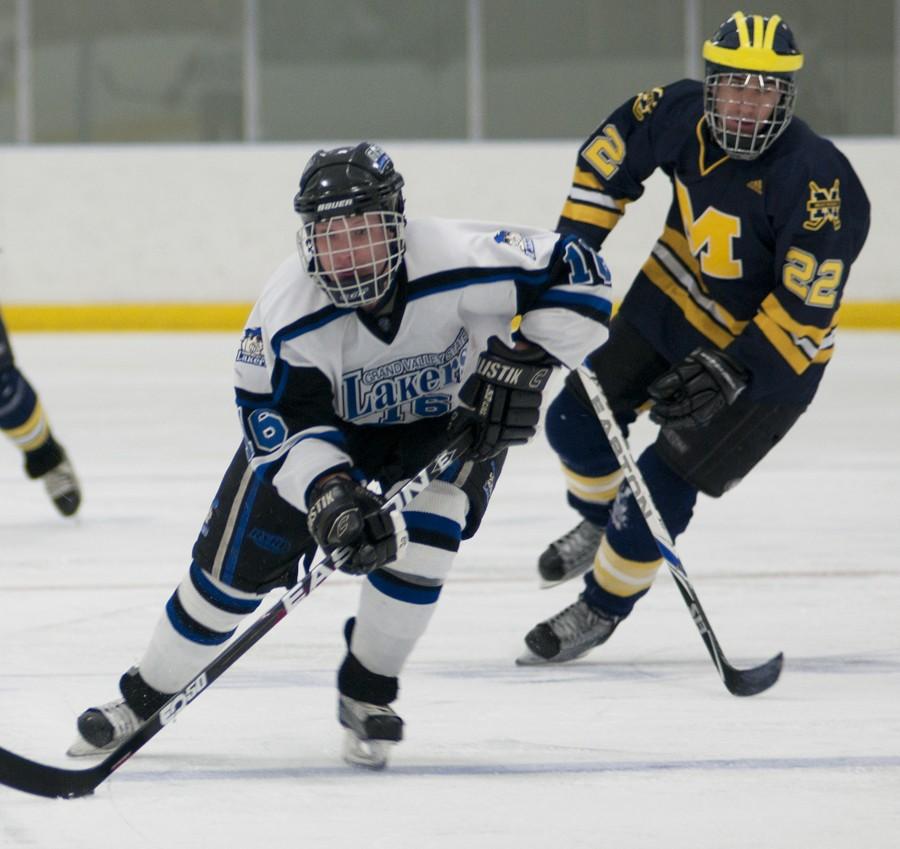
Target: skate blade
529 658
546 584
368 754
82 749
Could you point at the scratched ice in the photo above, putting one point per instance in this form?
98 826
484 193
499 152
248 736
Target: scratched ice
637 745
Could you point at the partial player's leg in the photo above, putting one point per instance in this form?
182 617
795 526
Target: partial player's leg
625 365
22 419
678 466
396 605
234 564
625 566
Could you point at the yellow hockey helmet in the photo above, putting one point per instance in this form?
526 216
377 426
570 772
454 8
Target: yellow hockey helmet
749 88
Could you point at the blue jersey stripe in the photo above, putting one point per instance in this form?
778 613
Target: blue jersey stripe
401 590
419 520
190 628
216 597
563 298
237 537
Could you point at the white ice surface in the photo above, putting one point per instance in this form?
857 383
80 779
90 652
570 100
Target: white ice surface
637 745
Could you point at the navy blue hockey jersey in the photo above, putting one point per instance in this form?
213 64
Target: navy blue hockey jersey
754 256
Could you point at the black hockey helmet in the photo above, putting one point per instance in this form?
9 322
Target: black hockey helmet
750 52
348 180
353 235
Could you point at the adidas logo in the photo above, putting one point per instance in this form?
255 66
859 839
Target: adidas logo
756 186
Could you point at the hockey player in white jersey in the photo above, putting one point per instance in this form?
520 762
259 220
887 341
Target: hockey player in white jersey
366 351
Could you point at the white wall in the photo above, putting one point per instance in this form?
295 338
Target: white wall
209 223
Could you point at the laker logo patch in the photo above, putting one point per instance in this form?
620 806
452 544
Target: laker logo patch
515 240
251 350
824 205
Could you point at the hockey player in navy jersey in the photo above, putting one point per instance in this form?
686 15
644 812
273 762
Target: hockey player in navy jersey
23 420
727 328
367 348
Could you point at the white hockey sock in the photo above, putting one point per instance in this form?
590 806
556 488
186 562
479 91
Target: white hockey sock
201 615
396 604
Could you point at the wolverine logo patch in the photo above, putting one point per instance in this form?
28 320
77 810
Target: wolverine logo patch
824 205
646 102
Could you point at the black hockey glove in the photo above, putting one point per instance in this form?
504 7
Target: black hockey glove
502 399
343 513
696 389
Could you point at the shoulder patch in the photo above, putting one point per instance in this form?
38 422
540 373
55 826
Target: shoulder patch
824 205
646 102
515 240
251 349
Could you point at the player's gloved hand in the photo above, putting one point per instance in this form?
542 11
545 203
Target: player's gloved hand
344 514
502 399
696 389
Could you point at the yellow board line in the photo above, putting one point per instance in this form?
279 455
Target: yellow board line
123 317
220 317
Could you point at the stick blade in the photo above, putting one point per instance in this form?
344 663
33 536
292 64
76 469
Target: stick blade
749 682
51 782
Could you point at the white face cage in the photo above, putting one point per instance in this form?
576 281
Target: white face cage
747 112
354 258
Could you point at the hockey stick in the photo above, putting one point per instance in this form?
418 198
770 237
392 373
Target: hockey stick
51 781
739 682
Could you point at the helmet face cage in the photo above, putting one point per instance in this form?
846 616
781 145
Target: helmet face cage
740 125
353 236
353 258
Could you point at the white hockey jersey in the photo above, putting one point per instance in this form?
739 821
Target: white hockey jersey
306 368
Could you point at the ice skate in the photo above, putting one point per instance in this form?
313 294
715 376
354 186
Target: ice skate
572 633
571 555
63 488
371 730
101 729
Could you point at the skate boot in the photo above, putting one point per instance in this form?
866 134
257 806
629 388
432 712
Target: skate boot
101 729
571 555
573 632
62 487
371 730
50 464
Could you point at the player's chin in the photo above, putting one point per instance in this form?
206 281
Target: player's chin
738 127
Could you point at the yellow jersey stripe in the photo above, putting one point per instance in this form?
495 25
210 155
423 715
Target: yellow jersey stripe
773 308
696 316
782 343
590 215
587 180
694 288
677 242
